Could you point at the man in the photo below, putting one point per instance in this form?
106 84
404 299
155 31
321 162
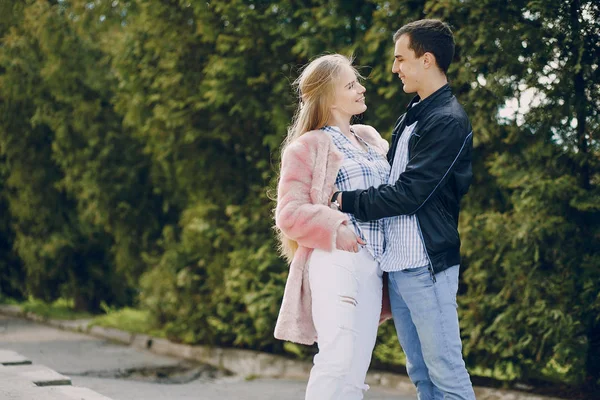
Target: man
431 171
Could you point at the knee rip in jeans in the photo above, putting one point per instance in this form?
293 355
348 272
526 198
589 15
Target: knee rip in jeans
349 300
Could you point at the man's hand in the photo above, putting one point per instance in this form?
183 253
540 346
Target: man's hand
347 240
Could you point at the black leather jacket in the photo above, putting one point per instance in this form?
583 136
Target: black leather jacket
437 176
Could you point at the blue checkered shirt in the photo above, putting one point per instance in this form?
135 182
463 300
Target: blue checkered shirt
361 170
404 242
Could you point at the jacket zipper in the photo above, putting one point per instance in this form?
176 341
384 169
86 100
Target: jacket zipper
430 266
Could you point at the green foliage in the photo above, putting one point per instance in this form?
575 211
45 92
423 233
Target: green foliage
139 142
11 270
128 319
387 349
531 224
82 205
59 309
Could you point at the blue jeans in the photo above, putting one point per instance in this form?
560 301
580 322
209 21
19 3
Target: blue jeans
426 320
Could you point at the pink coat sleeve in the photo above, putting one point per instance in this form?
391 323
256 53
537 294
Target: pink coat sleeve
310 225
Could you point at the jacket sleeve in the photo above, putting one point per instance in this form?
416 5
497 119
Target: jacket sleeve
442 144
310 225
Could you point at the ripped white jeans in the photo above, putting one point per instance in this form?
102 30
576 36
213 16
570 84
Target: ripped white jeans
346 302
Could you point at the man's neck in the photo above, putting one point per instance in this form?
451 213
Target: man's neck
433 84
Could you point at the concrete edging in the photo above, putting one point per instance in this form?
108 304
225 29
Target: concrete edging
21 379
247 363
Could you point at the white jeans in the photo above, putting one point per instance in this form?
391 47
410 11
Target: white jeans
346 302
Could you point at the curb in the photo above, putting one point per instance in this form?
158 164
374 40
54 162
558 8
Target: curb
246 363
21 379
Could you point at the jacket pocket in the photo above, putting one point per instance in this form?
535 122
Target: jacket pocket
442 211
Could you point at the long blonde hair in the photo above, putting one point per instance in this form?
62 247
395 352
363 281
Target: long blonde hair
316 90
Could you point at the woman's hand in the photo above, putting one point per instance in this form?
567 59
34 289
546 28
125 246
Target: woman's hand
347 240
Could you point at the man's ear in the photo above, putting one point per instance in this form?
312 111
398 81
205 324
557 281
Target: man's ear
429 60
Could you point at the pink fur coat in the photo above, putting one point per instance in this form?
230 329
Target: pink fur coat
309 167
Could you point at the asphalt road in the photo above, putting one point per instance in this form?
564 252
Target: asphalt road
126 373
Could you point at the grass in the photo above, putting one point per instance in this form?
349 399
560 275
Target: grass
127 319
60 309
9 301
130 320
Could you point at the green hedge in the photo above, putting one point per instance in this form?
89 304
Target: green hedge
139 146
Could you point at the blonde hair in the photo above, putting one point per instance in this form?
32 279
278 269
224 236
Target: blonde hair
316 91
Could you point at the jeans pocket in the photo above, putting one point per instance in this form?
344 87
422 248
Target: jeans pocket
420 276
416 271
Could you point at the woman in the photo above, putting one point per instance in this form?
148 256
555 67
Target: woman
333 294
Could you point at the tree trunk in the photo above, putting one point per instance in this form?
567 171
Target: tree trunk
580 98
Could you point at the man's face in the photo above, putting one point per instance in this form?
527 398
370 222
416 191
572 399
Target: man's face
408 67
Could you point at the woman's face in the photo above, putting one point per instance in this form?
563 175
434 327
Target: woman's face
349 97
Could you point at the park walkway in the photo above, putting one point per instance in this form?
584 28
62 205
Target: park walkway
121 372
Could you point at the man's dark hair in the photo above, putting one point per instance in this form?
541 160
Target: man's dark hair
430 36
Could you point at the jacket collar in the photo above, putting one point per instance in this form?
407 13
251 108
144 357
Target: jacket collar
415 111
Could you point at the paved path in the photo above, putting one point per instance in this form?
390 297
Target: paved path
98 364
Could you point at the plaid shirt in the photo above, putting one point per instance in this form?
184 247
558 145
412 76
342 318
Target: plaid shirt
361 170
404 243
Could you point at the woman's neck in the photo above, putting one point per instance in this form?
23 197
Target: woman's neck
343 124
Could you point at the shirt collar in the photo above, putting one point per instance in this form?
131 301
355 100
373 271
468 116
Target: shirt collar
342 139
418 108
